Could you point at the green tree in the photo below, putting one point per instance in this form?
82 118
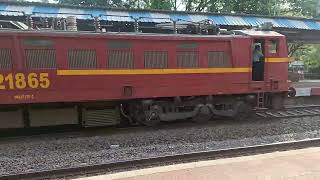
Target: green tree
264 7
310 56
156 4
304 8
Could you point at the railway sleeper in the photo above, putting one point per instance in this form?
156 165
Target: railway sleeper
290 113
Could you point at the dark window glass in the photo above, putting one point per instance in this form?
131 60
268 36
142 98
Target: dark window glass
38 43
119 45
187 46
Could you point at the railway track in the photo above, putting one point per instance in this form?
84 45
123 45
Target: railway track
290 112
97 169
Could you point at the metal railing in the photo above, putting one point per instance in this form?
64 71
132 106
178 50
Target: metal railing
312 76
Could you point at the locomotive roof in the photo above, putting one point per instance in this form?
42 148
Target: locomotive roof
256 33
133 35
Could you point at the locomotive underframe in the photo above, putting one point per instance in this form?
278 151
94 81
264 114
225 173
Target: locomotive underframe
139 111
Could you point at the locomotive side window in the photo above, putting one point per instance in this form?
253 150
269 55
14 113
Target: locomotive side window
40 59
187 46
82 59
218 59
187 59
273 46
119 45
37 43
5 58
156 59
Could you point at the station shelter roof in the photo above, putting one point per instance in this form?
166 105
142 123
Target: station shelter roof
151 16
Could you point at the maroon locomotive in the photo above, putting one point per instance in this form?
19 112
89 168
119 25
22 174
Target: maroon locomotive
145 78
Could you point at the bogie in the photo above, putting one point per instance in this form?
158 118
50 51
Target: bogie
199 109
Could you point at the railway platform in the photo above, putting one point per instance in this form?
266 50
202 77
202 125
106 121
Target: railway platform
307 88
288 165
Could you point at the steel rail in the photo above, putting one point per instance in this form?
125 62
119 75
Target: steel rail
289 112
256 115
97 169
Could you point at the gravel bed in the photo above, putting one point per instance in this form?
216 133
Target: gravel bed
49 152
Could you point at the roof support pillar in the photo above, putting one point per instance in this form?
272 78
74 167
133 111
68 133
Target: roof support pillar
136 25
97 24
46 23
175 30
29 21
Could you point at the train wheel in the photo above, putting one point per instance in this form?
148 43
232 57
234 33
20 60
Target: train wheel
151 117
292 92
152 120
242 111
203 116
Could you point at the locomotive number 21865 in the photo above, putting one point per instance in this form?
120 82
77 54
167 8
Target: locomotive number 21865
21 81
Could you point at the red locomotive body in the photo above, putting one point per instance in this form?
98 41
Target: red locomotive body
150 75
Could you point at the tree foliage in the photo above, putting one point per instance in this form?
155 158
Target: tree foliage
309 54
148 4
103 3
305 8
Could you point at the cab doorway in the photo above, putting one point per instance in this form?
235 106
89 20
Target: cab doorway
258 53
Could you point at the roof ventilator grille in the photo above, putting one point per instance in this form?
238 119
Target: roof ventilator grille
218 59
120 59
156 59
187 59
41 59
5 58
82 59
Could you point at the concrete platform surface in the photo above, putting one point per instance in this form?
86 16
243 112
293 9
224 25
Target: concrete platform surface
306 83
290 165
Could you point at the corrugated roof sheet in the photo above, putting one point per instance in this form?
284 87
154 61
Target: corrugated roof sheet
8 9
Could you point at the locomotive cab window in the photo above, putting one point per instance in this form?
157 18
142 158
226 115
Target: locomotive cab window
273 46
